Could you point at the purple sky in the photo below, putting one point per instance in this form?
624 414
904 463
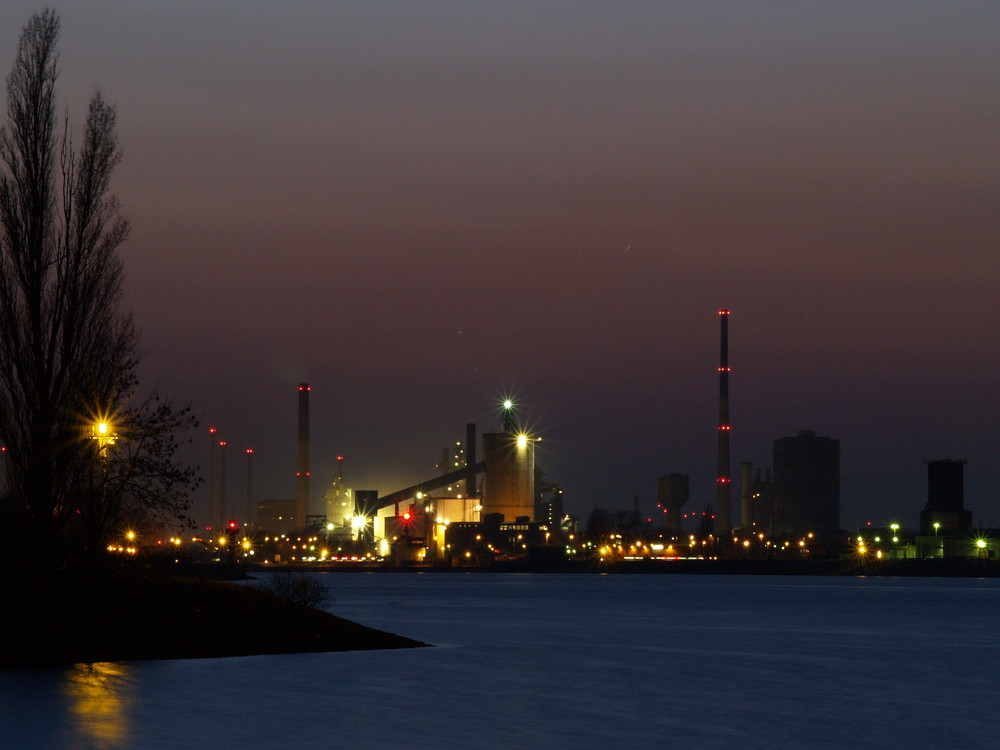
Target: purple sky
420 206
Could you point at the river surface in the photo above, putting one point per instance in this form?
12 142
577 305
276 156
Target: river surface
568 661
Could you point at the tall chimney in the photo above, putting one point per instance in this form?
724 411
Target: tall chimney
723 504
302 467
214 515
222 483
747 496
470 459
251 516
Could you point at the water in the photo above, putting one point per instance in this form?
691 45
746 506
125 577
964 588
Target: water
584 661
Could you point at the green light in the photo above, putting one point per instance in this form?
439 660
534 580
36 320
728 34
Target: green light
981 543
508 404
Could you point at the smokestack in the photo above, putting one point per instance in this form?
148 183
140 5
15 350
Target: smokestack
250 514
723 504
470 459
747 496
222 481
213 480
302 467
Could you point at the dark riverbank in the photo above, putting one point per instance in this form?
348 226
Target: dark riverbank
930 568
62 620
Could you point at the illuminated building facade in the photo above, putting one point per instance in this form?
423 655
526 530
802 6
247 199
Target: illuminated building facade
509 476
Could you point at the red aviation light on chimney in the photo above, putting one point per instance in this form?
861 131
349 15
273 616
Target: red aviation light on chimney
340 458
304 388
724 427
249 451
725 369
212 430
723 480
222 443
723 312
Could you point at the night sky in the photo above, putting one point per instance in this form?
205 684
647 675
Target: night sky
421 207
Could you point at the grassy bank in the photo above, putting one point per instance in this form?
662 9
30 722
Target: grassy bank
61 620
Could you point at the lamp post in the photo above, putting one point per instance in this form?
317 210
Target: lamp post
936 542
103 434
895 540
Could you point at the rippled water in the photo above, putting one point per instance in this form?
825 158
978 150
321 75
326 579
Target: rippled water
585 661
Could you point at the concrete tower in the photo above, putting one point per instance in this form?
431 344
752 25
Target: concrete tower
806 484
723 502
746 496
250 515
945 497
672 491
214 514
509 476
302 467
470 459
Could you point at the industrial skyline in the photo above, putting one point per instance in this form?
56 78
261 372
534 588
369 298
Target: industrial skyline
419 210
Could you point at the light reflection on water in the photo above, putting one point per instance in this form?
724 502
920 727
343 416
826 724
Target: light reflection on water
97 701
578 661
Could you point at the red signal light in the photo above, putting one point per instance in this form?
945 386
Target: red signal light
232 525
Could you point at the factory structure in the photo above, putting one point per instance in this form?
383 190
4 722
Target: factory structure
801 496
488 500
476 508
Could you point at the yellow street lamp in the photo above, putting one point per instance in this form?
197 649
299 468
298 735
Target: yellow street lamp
103 432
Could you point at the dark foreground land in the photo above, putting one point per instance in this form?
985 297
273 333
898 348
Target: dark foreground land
63 620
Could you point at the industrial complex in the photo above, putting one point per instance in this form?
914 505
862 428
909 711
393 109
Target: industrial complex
488 501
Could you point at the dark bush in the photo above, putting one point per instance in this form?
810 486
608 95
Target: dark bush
300 588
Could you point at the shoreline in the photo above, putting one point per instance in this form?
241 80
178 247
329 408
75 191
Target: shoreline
929 568
61 620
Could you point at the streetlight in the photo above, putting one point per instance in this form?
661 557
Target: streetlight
936 543
104 434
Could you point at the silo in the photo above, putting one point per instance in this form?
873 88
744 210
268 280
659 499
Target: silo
508 476
672 491
806 484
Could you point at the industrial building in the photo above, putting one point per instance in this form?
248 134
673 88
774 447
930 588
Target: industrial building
806 484
672 492
945 508
945 525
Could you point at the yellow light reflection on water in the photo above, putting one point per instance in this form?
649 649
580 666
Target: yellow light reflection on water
98 700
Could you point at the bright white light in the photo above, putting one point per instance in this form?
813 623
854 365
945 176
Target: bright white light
522 440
